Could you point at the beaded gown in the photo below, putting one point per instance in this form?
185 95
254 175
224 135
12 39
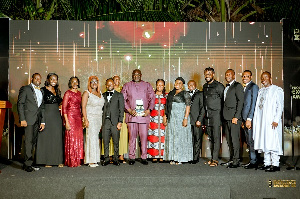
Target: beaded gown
71 106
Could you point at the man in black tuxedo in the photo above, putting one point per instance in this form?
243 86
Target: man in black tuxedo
250 96
232 113
213 94
196 115
31 112
113 113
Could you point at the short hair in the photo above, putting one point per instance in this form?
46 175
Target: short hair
267 73
249 71
230 70
70 83
136 70
110 79
56 87
34 74
209 69
192 81
89 84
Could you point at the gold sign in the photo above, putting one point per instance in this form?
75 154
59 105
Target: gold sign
282 183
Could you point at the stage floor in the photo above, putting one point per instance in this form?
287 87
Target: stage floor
156 180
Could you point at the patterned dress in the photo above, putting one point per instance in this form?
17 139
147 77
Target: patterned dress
156 132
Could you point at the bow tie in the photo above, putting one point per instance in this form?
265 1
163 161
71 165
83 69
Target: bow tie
227 85
110 93
191 92
36 87
244 85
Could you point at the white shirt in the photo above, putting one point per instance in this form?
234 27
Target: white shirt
38 94
108 96
227 87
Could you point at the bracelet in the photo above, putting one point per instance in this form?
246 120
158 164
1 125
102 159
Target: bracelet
185 118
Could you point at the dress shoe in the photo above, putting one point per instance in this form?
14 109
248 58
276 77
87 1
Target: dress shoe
272 169
117 163
144 162
250 166
131 162
264 167
194 162
105 163
27 168
226 163
233 166
36 168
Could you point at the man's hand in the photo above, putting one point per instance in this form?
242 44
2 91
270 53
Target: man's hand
132 112
248 124
23 123
147 112
274 125
119 125
198 124
234 120
42 127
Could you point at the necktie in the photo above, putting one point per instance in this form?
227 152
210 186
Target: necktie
244 85
36 87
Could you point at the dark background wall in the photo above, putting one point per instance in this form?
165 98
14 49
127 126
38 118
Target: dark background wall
4 47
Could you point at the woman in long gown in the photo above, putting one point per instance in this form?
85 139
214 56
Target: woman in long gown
72 114
178 139
156 132
50 141
92 104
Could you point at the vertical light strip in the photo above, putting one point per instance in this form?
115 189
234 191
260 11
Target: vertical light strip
56 35
209 30
110 52
262 62
169 59
179 67
233 30
63 54
84 34
28 25
140 45
206 40
88 35
96 45
184 29
74 59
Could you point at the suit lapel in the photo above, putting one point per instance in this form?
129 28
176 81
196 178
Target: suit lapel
34 95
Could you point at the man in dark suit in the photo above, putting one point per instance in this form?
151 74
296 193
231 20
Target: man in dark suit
113 113
250 96
196 115
31 112
232 113
213 94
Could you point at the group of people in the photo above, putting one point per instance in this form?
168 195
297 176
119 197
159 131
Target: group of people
169 125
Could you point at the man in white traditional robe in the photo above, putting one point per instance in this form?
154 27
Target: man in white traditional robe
267 123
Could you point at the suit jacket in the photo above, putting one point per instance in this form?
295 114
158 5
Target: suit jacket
113 108
233 103
250 96
197 108
28 106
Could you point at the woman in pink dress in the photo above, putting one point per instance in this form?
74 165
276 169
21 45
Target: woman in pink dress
74 134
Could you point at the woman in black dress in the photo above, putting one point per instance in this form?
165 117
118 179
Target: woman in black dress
49 149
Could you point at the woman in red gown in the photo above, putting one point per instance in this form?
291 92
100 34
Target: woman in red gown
72 114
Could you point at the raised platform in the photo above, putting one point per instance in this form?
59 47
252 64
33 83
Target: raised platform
159 180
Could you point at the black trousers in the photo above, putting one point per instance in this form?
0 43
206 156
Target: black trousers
197 135
214 133
31 133
109 130
232 132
